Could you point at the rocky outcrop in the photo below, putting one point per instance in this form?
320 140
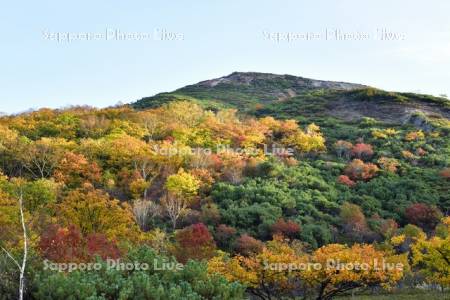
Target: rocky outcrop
295 82
419 120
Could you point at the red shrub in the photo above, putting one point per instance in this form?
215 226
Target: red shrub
445 173
424 216
362 151
286 228
246 245
344 179
194 242
224 235
388 227
420 151
61 244
98 245
358 170
68 245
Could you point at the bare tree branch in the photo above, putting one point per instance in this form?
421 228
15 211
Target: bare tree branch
11 257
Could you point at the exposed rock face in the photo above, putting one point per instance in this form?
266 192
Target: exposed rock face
390 112
420 121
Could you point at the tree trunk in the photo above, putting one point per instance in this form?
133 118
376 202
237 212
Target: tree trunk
25 250
21 267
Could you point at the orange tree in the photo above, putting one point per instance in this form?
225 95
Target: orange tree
281 269
93 211
271 273
344 268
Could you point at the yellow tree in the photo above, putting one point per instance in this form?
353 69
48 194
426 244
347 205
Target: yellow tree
170 156
433 255
310 141
128 152
338 269
182 113
10 145
181 189
93 211
388 164
151 120
273 272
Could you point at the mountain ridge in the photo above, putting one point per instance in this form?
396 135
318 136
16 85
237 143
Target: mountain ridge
248 77
268 94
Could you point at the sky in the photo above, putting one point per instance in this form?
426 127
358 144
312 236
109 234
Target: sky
60 53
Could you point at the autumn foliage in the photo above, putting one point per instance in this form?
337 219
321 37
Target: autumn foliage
224 235
345 180
358 170
335 280
247 245
93 211
288 228
445 173
388 164
193 185
424 216
343 148
362 151
433 255
194 242
74 170
328 271
60 244
354 223
414 135
255 272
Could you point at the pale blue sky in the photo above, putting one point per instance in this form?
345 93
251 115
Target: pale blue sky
218 37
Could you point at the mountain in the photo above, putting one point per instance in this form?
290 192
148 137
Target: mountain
292 96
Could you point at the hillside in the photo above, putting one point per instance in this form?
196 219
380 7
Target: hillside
299 171
291 96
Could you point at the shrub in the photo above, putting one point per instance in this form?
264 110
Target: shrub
288 228
247 245
424 216
362 151
194 242
358 170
